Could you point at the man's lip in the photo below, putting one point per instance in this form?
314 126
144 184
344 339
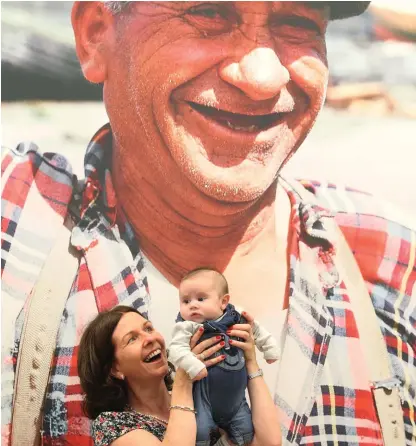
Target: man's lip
202 126
247 122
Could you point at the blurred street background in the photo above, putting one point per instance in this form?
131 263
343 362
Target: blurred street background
365 136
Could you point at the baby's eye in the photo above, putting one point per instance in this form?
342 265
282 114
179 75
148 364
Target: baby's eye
186 301
201 299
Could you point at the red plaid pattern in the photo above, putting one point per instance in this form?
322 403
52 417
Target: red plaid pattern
324 396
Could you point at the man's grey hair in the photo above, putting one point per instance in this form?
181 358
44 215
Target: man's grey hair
117 7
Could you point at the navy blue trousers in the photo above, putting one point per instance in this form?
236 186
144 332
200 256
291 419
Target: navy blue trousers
219 398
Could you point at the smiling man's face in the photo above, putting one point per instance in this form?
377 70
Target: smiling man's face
221 93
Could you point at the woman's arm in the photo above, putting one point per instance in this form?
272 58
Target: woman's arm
181 430
181 421
264 412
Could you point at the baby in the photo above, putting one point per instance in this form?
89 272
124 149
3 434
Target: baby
219 397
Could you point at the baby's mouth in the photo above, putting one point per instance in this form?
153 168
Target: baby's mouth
239 122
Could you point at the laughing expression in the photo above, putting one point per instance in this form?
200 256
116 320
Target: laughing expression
215 94
140 352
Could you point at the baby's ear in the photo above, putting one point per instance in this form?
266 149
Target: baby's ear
225 301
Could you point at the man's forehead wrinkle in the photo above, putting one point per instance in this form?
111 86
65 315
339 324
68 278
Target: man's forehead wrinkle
176 6
151 9
153 28
156 9
167 5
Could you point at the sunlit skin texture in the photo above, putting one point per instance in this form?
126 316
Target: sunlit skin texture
196 192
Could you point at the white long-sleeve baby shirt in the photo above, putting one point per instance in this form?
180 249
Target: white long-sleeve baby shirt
181 356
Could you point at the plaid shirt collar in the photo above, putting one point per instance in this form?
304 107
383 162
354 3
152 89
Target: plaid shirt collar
98 201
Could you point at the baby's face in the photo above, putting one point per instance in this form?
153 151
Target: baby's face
200 299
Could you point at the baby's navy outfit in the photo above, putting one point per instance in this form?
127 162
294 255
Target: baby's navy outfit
219 398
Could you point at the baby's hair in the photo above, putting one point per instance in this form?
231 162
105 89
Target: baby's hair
221 280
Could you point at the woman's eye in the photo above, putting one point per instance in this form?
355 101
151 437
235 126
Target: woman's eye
133 338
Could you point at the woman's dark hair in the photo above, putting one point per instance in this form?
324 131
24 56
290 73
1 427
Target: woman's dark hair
103 391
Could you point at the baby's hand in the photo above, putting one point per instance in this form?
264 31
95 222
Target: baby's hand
271 361
202 374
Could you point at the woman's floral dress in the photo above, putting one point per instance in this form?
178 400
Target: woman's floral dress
109 426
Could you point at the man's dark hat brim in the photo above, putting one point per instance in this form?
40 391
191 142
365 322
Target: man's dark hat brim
343 10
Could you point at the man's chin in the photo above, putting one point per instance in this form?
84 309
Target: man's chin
232 186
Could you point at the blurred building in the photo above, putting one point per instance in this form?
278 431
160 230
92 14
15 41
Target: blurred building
39 61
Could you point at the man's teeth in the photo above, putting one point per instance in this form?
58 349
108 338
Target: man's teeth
152 355
249 128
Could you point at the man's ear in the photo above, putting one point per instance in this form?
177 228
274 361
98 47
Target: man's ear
92 23
224 301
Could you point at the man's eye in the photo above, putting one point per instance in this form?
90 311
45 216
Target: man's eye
295 22
207 11
212 19
149 328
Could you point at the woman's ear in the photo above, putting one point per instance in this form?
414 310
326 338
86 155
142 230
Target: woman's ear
225 301
93 28
116 373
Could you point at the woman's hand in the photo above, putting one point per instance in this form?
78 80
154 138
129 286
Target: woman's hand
205 349
244 332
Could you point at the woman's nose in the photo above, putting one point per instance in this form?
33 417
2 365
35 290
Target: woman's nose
258 73
148 338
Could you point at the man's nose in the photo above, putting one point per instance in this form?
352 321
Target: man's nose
258 73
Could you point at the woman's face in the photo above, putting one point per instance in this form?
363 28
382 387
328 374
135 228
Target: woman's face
140 351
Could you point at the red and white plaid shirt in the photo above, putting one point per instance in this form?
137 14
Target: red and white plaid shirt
328 401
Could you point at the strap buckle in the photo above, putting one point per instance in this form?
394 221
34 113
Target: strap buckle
386 384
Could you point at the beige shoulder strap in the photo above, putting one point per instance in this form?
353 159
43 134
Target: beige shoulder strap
38 339
384 385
